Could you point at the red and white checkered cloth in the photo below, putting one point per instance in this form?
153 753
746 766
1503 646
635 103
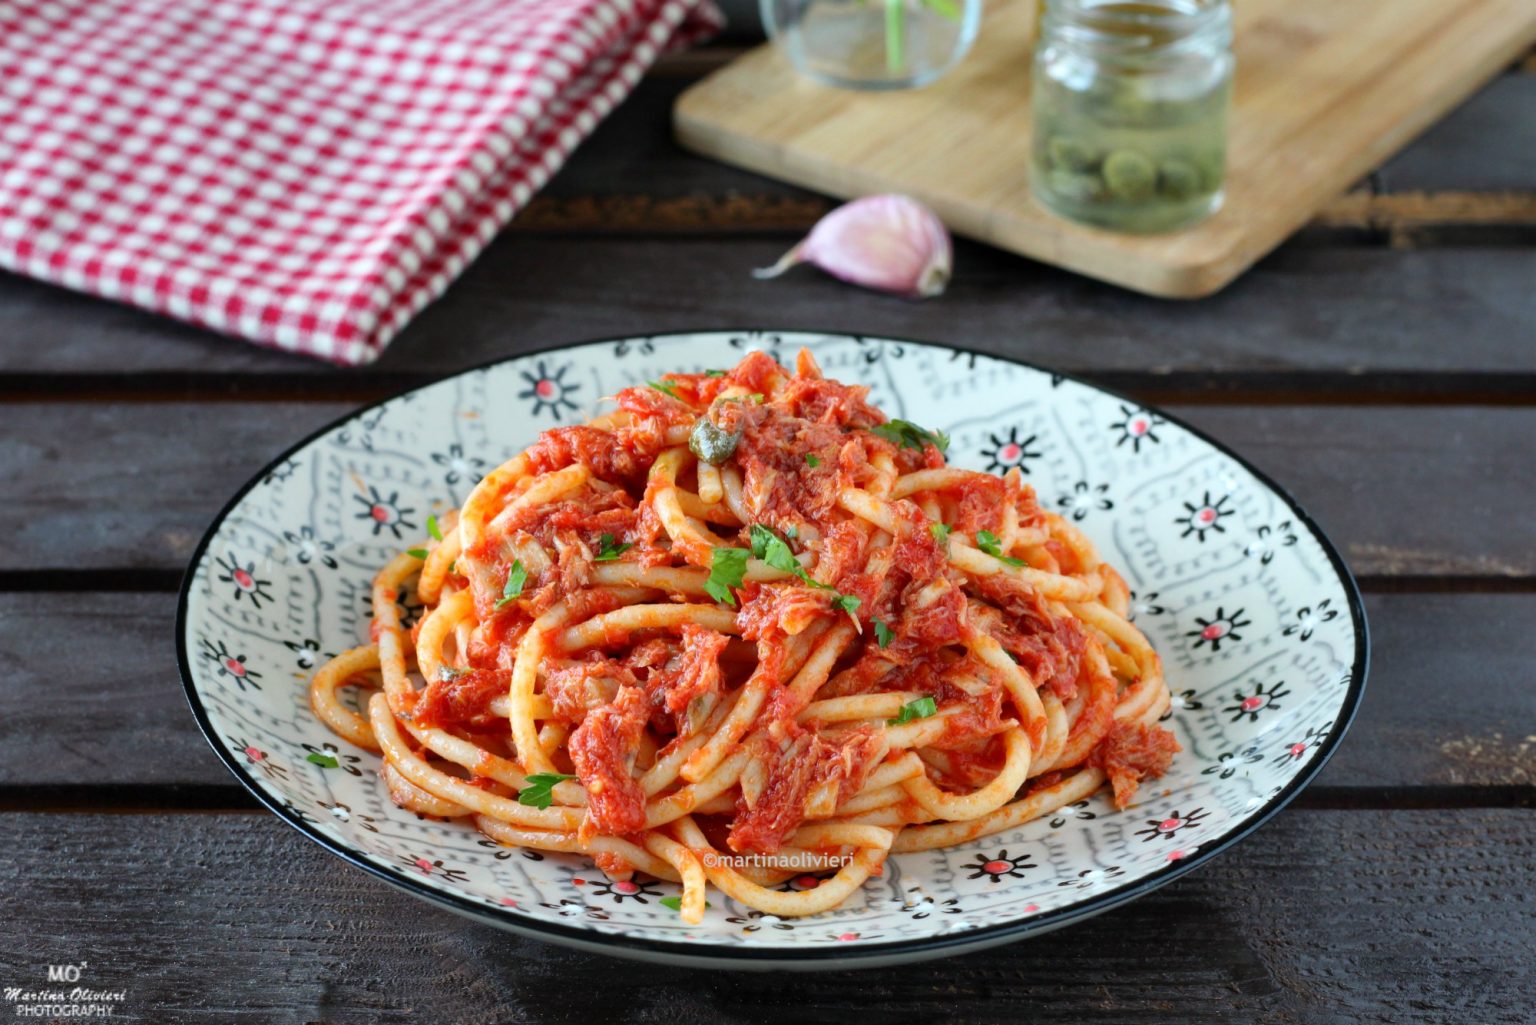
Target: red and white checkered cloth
307 174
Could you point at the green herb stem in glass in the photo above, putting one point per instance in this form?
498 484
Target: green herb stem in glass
1130 110
873 44
895 31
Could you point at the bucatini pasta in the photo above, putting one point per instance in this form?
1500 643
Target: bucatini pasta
744 628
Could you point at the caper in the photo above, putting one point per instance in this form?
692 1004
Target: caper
1071 154
1076 186
1178 179
1129 174
1213 167
710 443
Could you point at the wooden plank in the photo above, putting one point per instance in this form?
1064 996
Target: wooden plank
1405 216
1324 91
90 699
1371 314
1325 917
1403 490
134 486
1484 145
1449 697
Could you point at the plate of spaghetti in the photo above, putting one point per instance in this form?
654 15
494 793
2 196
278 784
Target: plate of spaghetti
769 649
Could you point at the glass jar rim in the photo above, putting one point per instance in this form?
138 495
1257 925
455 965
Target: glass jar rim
1136 28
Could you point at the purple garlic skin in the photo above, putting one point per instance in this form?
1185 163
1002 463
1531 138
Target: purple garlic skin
888 242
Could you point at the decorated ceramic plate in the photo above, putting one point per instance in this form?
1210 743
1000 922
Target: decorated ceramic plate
1258 623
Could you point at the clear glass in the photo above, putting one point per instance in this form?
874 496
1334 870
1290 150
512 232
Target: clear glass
873 44
1130 104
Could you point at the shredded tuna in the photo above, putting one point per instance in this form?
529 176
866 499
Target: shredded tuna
460 697
603 749
796 760
1133 753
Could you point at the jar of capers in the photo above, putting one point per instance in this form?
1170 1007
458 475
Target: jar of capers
1130 111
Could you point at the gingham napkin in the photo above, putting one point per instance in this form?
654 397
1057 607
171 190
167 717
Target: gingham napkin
307 174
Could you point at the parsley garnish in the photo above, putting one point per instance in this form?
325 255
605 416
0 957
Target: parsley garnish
416 553
769 547
714 373
607 551
812 460
665 388
883 633
434 529
988 542
539 791
940 532
324 761
922 708
515 580
906 434
728 569
756 398
676 903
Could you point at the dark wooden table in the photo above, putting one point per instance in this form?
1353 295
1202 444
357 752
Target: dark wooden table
1382 364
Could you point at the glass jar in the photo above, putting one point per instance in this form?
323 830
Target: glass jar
1130 104
873 44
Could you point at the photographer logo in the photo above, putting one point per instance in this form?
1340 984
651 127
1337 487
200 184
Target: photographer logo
75 1003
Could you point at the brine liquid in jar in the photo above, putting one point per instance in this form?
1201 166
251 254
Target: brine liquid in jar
1130 110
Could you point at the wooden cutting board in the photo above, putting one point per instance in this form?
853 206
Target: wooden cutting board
1326 90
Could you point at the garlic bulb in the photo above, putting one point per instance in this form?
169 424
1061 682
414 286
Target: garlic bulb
889 242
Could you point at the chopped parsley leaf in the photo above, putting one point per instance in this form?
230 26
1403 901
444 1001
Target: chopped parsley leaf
666 388
607 551
883 633
714 373
940 532
539 793
676 903
434 529
515 580
416 553
812 460
728 569
905 434
323 760
772 549
988 542
922 708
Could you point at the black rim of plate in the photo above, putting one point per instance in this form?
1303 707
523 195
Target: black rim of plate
827 956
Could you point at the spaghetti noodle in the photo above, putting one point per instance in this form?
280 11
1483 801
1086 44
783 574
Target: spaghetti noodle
744 628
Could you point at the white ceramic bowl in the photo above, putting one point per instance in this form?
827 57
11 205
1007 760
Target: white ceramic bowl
1258 622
